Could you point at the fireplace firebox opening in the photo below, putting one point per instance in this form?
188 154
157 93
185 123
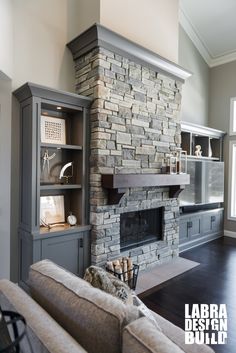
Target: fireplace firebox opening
140 227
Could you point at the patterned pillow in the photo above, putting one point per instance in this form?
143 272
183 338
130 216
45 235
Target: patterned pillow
105 281
145 311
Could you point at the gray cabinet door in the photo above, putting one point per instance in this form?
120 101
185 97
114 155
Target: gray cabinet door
183 231
194 227
212 222
189 229
66 251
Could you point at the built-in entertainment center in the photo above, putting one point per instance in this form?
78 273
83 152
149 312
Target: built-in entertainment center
201 202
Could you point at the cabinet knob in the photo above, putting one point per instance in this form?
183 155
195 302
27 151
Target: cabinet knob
213 218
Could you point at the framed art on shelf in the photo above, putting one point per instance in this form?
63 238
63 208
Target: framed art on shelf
53 130
52 209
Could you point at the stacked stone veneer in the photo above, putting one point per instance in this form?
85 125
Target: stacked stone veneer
134 125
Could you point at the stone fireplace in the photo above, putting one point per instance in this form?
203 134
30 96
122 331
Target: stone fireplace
134 125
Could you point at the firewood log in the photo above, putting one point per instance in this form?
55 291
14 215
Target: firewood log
130 268
110 266
118 268
125 268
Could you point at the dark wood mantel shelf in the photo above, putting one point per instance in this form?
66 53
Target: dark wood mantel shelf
118 183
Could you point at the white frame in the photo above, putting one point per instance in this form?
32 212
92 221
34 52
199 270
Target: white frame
51 119
55 206
232 123
231 185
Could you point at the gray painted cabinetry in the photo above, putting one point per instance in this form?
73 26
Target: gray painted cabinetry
202 200
199 227
66 245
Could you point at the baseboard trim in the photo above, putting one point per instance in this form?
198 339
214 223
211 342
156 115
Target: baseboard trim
229 233
194 245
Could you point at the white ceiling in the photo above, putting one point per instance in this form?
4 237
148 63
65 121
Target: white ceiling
211 25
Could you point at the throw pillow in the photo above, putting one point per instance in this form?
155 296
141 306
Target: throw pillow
145 311
105 281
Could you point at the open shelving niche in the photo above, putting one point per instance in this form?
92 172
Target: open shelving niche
210 140
66 245
71 151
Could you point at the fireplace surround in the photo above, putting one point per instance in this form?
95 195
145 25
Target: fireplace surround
134 124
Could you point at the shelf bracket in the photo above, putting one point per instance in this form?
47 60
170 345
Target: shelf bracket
175 190
115 195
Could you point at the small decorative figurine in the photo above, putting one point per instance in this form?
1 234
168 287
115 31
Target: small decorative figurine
63 169
71 219
47 159
198 152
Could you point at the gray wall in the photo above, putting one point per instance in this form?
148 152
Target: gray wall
195 90
222 88
206 98
5 174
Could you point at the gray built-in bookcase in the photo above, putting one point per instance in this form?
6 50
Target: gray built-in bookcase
202 212
54 124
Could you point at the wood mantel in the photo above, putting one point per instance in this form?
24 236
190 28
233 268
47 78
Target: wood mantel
118 183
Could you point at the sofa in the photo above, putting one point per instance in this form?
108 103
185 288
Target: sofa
65 314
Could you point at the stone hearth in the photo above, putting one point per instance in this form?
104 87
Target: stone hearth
134 125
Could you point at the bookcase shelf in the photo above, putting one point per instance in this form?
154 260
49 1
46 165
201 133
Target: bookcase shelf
58 146
54 162
60 187
210 140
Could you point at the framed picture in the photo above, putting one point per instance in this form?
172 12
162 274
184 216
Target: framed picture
53 130
52 209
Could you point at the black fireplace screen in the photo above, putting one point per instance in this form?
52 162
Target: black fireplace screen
140 228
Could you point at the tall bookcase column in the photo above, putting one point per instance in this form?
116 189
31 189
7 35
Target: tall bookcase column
54 134
203 221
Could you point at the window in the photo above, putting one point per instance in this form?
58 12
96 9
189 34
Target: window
232 181
232 128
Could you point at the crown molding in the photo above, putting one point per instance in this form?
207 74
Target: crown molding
30 89
195 37
223 59
100 36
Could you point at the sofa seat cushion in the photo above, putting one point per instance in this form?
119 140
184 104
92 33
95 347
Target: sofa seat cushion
176 334
44 333
141 336
94 318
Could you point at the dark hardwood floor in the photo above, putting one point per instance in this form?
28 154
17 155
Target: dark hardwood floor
212 282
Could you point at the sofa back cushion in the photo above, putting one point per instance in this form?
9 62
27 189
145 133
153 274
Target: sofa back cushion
43 333
94 318
141 336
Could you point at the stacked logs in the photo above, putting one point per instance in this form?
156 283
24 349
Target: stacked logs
123 267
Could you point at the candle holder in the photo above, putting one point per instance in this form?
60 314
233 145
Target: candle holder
181 161
171 167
